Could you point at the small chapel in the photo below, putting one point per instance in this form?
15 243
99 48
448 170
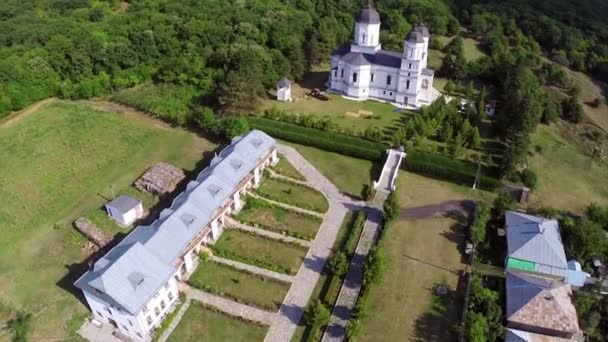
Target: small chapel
363 70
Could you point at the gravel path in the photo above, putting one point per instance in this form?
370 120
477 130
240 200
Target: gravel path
286 320
267 233
231 307
254 269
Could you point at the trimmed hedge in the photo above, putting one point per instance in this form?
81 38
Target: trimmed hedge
458 171
325 140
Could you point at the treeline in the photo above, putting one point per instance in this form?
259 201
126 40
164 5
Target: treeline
572 33
228 51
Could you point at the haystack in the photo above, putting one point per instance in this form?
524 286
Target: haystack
160 179
94 234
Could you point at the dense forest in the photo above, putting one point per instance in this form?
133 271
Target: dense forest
228 51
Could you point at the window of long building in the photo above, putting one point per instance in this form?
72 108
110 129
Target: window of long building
354 77
388 80
372 77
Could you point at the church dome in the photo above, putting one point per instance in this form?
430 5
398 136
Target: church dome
415 36
368 15
423 29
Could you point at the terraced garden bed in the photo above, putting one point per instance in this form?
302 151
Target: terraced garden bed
293 194
285 168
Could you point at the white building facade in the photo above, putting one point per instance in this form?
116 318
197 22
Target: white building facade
364 71
135 285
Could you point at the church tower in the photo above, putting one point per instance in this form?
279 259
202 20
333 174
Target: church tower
367 31
413 62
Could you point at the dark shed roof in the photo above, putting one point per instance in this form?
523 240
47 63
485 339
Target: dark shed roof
283 83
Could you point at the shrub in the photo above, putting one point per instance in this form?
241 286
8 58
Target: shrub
20 326
596 102
572 110
338 264
368 192
391 207
529 178
353 329
478 227
457 171
330 141
374 266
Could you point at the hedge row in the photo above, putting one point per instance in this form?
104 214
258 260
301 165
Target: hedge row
457 171
325 140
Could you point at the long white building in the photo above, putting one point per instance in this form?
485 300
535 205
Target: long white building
363 70
134 286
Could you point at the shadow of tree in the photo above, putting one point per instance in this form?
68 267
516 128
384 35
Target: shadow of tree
437 324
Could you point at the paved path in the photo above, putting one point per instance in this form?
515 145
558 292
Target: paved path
351 287
231 307
286 320
253 269
274 174
175 321
450 208
267 233
287 206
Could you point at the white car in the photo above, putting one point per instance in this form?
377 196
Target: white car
468 249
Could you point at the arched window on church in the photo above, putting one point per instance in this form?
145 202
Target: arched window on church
354 77
425 83
363 38
388 80
407 85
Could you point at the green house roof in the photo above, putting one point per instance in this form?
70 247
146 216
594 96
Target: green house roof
521 264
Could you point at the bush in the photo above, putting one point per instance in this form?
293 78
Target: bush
529 178
572 111
375 264
391 207
457 171
368 192
478 227
325 140
338 264
20 326
596 102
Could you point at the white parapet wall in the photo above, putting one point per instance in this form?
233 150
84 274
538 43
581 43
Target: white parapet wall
390 170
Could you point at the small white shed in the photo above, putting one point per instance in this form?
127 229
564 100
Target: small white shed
284 90
125 209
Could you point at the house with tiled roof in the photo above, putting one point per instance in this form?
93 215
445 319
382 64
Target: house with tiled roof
540 305
134 286
514 335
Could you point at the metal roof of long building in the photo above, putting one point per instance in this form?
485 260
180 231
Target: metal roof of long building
165 239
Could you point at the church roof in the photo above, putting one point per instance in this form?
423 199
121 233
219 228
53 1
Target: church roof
283 83
423 29
428 72
368 15
415 36
389 59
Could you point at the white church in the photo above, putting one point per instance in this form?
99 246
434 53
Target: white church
364 71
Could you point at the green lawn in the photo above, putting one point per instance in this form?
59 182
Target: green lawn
262 214
285 168
420 255
203 324
260 251
59 163
293 194
239 285
349 174
567 180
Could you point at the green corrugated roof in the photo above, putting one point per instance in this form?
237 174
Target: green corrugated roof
521 264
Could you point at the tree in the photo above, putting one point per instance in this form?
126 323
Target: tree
206 119
477 328
584 239
234 126
475 138
478 227
338 264
572 110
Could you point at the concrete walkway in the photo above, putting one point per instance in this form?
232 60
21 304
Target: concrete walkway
253 269
232 223
287 206
286 320
175 321
230 307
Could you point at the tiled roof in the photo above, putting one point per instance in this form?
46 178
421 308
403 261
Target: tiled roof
540 302
165 239
390 59
514 335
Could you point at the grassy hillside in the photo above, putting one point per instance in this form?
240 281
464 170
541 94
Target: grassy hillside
58 163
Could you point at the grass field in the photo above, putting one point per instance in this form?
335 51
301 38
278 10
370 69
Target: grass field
285 168
415 190
420 255
267 216
293 194
349 174
204 324
567 179
260 251
58 163
241 286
